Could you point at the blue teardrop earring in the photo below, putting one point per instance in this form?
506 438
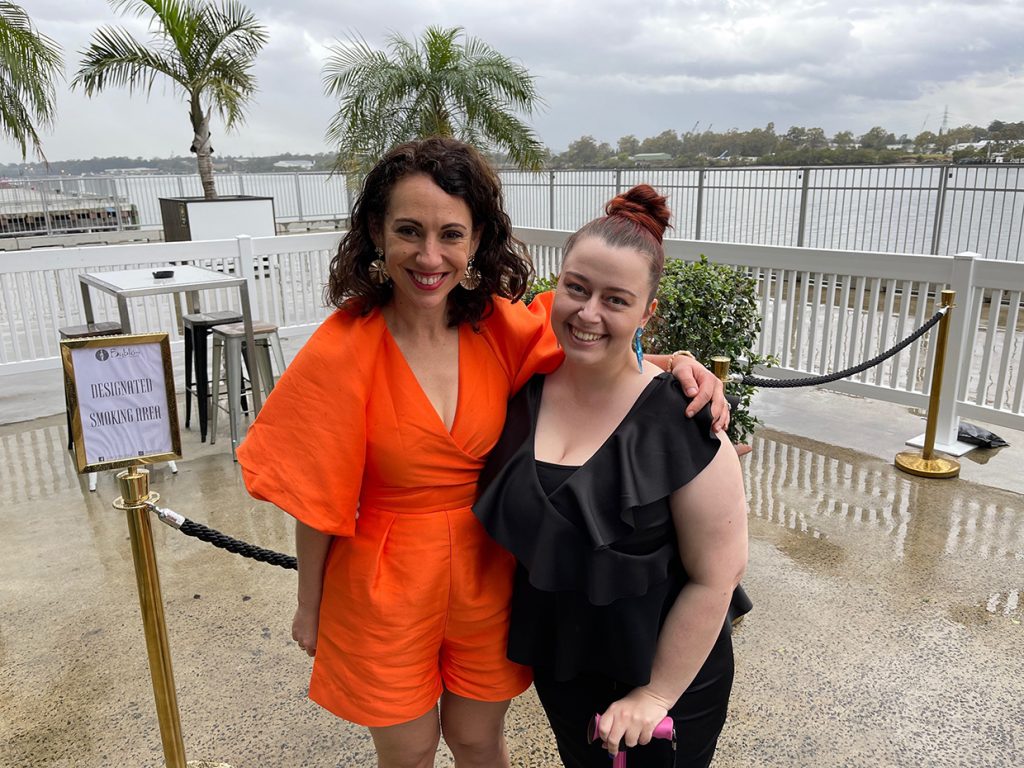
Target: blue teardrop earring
637 348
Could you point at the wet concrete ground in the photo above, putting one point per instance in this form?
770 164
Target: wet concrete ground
886 630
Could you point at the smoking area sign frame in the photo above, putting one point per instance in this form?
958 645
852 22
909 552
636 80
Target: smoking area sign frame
121 400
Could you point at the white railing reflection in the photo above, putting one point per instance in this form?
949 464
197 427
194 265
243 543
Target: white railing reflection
817 494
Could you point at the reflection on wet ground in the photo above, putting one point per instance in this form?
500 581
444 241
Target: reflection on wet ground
886 628
909 527
34 462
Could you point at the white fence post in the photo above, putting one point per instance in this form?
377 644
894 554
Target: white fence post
957 355
247 268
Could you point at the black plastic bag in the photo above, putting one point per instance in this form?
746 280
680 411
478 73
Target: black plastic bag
975 435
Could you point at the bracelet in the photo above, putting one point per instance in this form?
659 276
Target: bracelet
678 353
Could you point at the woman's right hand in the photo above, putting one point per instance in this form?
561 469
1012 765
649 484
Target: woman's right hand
304 628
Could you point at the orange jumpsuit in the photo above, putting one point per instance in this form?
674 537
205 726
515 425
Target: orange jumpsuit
416 594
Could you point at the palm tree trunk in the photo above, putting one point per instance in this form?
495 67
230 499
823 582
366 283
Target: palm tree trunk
206 174
203 149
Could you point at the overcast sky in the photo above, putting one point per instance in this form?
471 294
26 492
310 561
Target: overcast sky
604 68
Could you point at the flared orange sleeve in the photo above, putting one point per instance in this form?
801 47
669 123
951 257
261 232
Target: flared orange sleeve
522 338
306 450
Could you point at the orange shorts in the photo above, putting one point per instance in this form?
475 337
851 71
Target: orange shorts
414 604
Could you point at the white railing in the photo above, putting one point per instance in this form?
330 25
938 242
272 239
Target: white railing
826 310
822 310
40 289
927 209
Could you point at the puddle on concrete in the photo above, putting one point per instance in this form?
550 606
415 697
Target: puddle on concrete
820 492
837 497
827 508
34 463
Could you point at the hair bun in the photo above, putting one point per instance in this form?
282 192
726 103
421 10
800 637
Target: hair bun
643 206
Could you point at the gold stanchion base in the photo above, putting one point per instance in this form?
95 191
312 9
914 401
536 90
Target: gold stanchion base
916 464
206 764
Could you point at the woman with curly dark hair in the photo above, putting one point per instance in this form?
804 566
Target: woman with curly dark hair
387 415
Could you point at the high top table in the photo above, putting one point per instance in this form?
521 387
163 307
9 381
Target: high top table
128 284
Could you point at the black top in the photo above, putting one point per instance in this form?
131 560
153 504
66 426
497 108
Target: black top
598 557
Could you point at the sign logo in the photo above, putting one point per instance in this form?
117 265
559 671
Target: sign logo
102 355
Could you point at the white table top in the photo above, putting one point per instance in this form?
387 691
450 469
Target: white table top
140 282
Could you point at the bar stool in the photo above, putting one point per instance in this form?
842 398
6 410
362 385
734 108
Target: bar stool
87 331
229 340
196 327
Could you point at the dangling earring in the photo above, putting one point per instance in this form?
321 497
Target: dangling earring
471 278
378 269
636 348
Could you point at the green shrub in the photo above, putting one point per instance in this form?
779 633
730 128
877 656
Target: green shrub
539 285
708 309
711 309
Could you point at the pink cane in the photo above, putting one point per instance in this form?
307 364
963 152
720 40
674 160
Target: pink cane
663 730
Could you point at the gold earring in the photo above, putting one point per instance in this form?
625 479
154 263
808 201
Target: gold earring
471 278
378 269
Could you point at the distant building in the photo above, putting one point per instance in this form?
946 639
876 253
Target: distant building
648 158
969 145
301 165
140 171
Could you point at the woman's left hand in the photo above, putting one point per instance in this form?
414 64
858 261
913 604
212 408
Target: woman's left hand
704 387
631 720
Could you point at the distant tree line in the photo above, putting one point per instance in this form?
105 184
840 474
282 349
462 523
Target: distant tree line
797 146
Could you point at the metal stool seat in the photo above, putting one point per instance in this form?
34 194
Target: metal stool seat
230 340
89 330
196 328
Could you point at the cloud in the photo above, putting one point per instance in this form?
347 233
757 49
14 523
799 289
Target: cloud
604 68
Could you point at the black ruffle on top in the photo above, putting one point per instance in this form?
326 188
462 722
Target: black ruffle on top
599 564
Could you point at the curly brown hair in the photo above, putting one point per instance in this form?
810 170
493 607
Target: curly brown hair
458 169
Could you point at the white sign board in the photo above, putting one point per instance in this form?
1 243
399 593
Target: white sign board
122 397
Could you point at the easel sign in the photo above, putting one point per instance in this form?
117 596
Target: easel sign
120 392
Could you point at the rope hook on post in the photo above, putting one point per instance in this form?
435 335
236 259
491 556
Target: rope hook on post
222 541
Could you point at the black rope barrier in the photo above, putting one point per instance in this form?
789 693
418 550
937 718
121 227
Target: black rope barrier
812 381
218 539
223 541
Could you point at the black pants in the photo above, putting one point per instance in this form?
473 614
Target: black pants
699 715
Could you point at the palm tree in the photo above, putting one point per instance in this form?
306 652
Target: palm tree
30 64
444 84
205 49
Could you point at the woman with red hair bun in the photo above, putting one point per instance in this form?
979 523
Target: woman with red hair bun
627 520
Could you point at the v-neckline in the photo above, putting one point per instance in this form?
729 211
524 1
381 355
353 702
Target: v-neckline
532 439
450 431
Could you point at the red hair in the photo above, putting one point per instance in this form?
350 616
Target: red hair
636 219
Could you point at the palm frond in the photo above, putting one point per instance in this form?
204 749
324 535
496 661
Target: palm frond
206 49
30 65
115 58
439 84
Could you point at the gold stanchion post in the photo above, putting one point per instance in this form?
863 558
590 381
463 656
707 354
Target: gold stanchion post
134 500
926 463
720 367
